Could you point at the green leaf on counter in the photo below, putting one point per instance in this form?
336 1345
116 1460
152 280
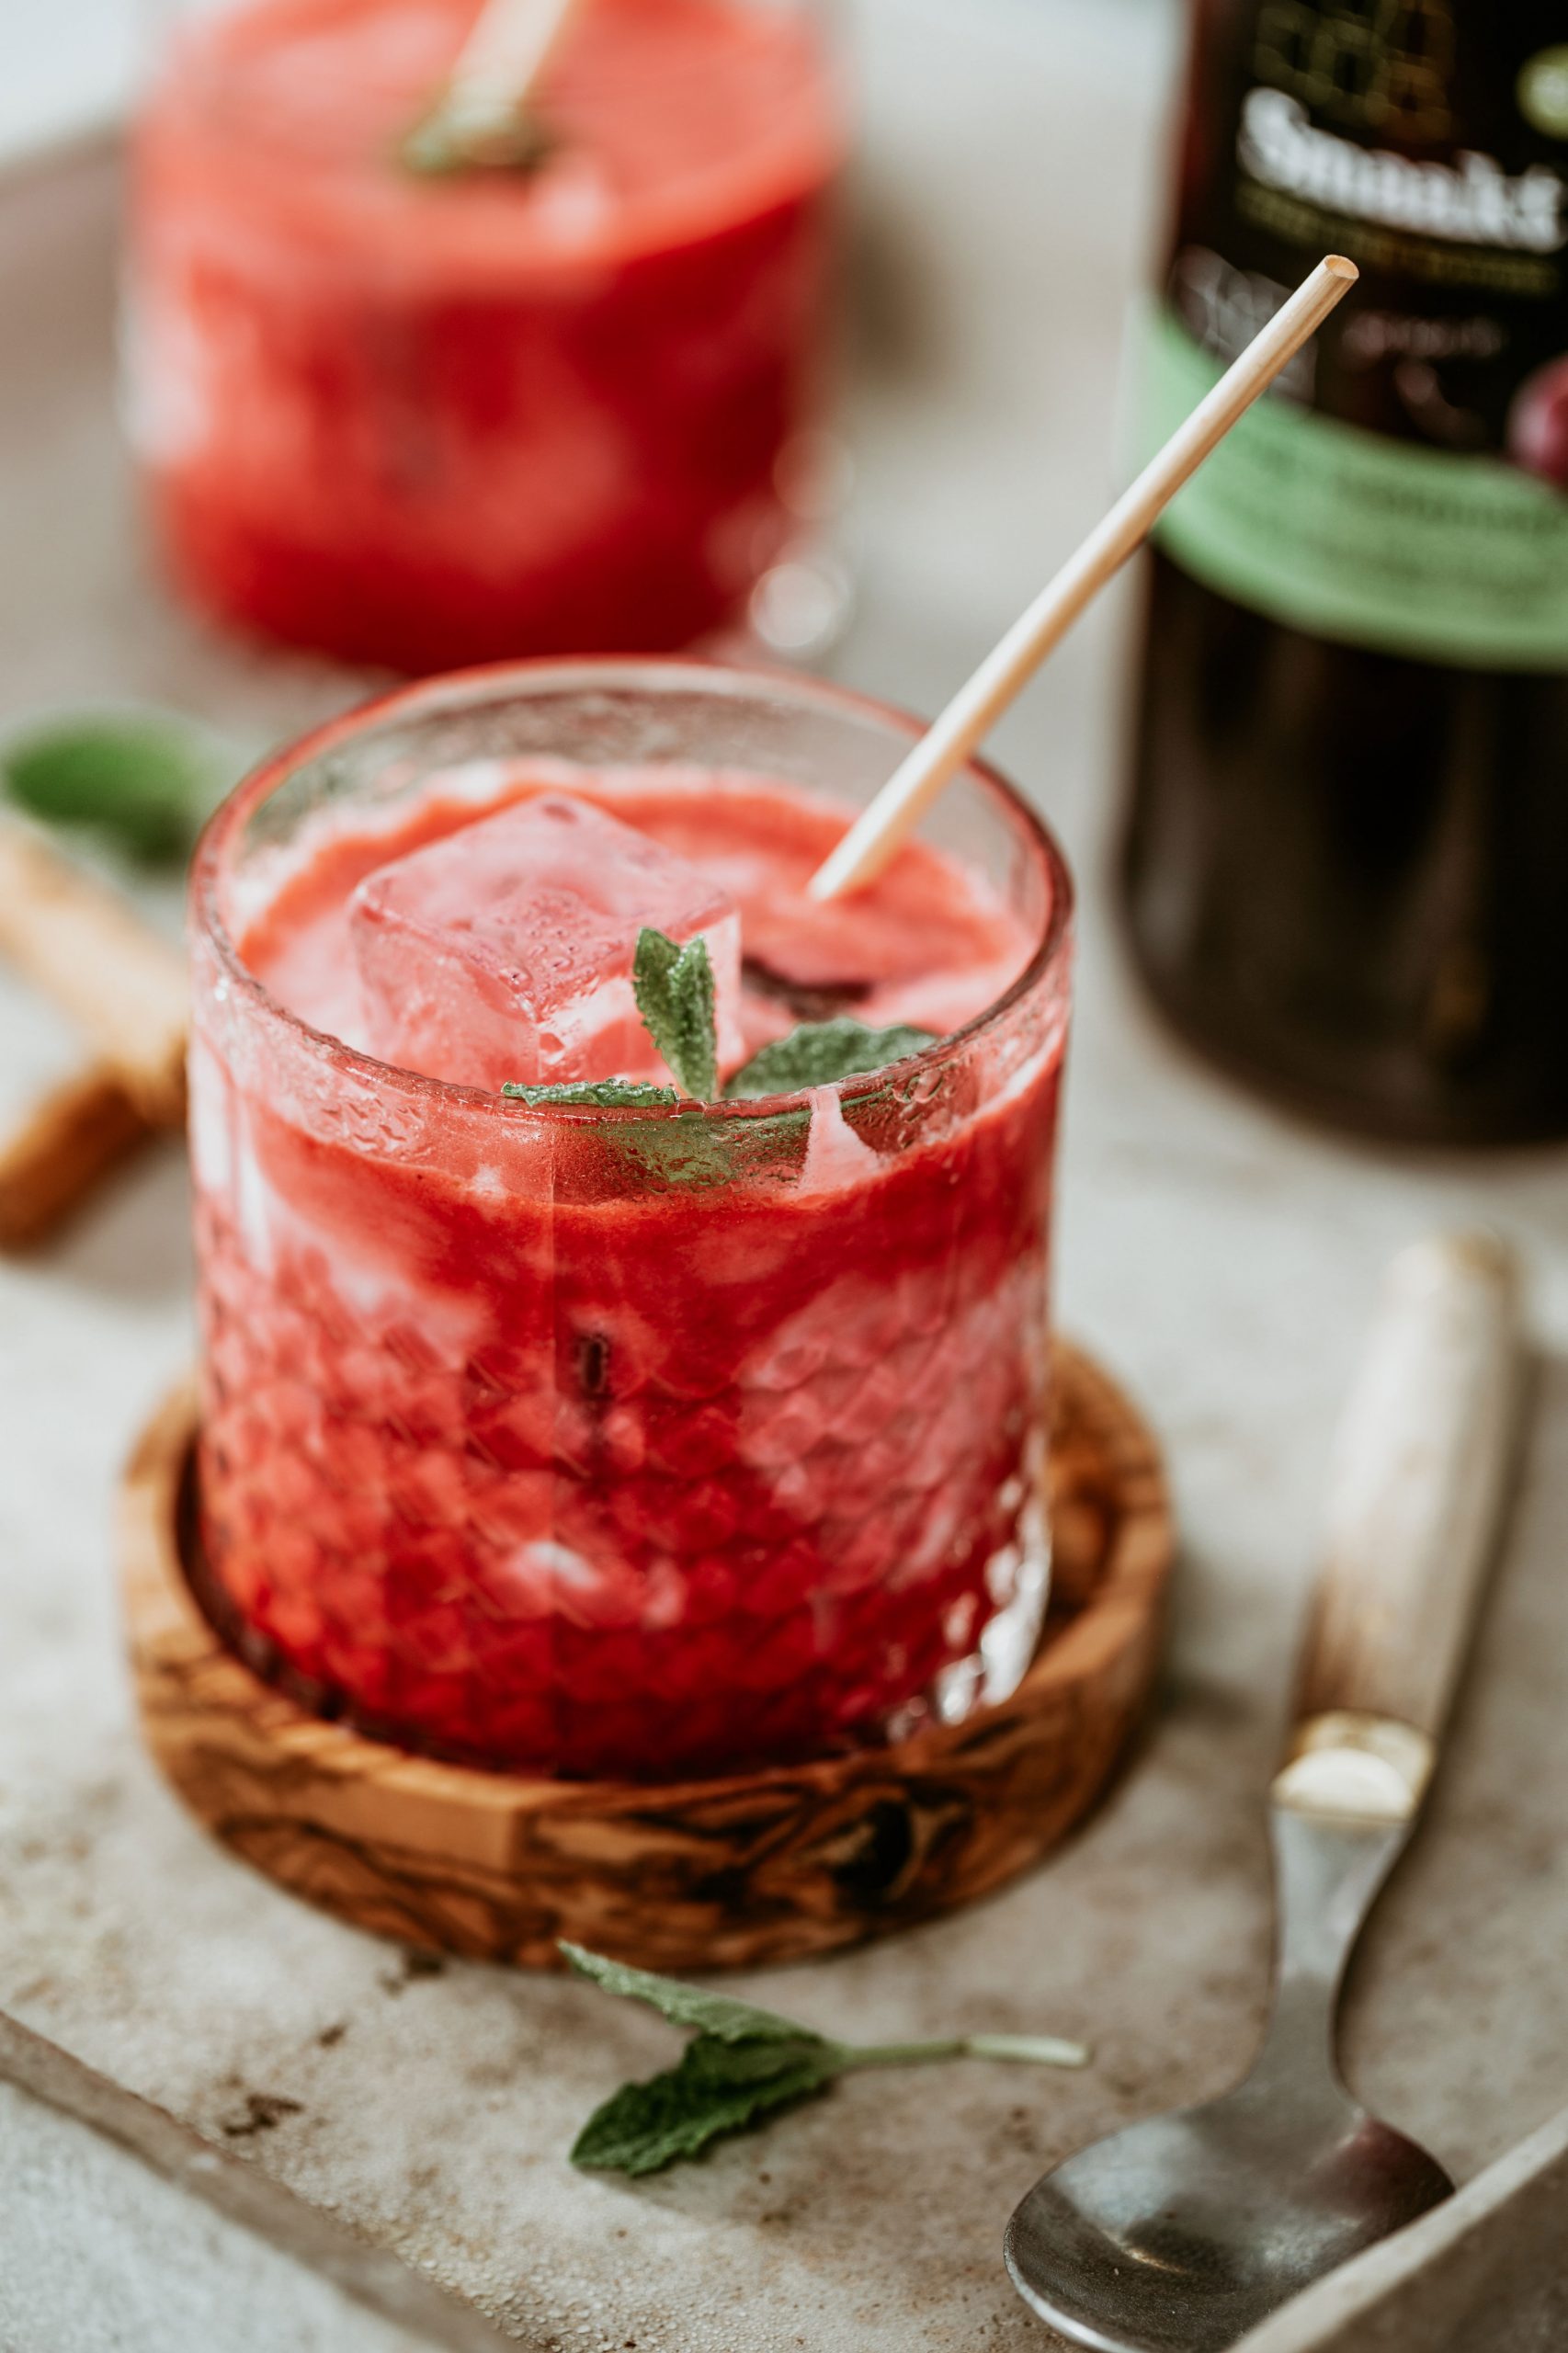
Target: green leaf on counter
143 781
820 1051
674 988
683 2004
719 2087
742 2065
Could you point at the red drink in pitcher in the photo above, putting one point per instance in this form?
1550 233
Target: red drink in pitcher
605 1435
421 421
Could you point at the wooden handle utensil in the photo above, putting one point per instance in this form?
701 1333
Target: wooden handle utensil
60 1148
1420 1470
125 988
85 946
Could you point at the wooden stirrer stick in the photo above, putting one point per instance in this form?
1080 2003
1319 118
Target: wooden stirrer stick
898 808
480 114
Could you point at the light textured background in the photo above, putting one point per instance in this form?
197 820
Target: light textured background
66 65
1220 1258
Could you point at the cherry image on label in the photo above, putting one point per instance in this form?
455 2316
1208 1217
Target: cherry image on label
1538 423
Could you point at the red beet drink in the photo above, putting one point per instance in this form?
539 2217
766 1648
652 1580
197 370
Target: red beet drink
420 420
655 1440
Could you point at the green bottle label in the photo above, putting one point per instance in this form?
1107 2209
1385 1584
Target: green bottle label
1405 486
1351 535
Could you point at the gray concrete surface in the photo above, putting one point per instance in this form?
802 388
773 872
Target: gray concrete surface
103 2258
1221 1260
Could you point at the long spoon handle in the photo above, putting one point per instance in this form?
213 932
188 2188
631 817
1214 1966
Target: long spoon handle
1420 1470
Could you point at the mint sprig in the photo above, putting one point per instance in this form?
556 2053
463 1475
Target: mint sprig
674 988
674 991
603 1094
687 1153
143 781
820 1051
742 2064
454 138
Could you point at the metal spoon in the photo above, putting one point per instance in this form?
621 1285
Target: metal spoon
1180 2234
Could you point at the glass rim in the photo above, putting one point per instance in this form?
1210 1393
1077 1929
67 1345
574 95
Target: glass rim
182 43
453 689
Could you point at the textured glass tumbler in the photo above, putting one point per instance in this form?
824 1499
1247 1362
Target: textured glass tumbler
521 1445
417 420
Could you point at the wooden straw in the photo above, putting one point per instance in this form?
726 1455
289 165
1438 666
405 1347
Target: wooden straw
507 49
83 946
898 808
60 1149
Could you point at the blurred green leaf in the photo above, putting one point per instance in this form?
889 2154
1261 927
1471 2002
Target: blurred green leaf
144 781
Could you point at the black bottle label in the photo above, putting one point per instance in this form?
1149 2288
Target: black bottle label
1406 486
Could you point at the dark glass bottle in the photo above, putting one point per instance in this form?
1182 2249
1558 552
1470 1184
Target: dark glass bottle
1346 866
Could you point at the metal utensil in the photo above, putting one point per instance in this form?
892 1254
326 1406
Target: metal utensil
1179 2234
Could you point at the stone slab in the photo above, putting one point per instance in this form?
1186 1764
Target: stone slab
1221 1260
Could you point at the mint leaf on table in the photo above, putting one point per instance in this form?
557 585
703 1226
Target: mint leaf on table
143 780
684 2005
602 1094
674 988
646 2127
818 1052
742 2064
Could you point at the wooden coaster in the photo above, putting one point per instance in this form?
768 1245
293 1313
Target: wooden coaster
766 1866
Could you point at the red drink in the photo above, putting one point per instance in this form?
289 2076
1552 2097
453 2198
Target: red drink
640 1441
423 422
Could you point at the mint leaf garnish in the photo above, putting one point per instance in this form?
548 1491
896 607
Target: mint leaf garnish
674 988
818 1052
603 1094
455 138
689 1152
143 779
742 2064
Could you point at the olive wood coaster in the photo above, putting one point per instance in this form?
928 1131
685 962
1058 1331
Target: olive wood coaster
761 1867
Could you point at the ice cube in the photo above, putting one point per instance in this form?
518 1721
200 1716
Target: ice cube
503 950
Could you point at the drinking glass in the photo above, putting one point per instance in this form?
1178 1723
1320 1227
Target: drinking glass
621 1441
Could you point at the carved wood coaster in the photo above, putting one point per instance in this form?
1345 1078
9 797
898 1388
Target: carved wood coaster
766 1866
